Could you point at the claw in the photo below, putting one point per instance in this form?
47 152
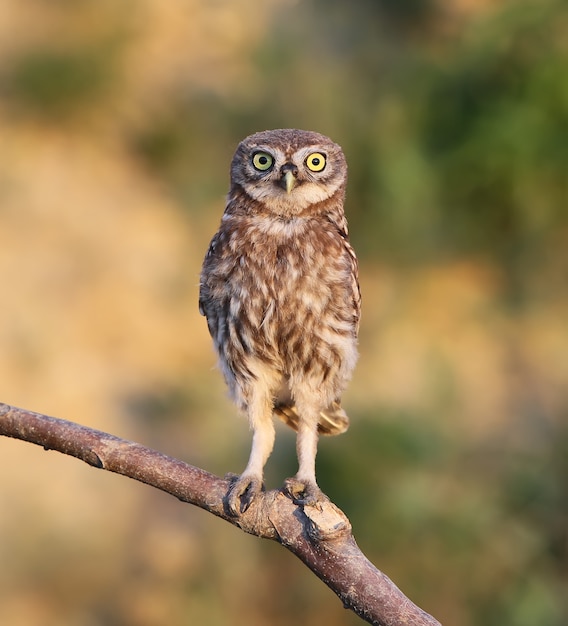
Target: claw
242 492
306 493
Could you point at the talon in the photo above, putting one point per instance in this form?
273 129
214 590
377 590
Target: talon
306 493
242 492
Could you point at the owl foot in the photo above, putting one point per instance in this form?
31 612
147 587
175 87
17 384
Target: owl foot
242 492
304 492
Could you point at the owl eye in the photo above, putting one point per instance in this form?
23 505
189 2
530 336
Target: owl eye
262 161
316 162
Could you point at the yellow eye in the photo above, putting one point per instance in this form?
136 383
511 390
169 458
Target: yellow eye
316 162
262 161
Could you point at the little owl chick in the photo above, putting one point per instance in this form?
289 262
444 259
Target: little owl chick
280 292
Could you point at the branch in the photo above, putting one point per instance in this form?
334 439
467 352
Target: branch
320 536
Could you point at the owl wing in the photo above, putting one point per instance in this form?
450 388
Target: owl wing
355 288
354 273
209 306
203 288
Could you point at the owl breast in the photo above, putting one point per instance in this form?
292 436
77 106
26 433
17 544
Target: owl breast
284 300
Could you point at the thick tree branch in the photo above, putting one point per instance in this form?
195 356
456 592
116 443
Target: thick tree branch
319 535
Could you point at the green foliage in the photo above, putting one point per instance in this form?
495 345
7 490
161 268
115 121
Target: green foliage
53 83
490 126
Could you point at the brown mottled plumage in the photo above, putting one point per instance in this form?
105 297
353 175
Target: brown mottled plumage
280 292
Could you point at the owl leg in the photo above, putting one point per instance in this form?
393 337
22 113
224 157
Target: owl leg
303 486
244 488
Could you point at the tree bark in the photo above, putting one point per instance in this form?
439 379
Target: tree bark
320 535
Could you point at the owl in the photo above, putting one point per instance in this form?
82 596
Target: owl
279 289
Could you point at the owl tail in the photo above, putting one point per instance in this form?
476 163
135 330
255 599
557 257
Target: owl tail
332 421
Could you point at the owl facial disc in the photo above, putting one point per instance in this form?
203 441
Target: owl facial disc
289 170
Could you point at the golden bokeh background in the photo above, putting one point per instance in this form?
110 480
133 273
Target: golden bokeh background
118 121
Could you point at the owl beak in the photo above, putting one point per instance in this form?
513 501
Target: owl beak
289 172
289 181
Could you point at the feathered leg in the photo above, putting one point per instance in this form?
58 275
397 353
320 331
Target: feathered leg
303 486
249 483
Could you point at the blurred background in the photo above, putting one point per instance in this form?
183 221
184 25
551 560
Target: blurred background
118 121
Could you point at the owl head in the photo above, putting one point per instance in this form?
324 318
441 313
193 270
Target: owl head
289 170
